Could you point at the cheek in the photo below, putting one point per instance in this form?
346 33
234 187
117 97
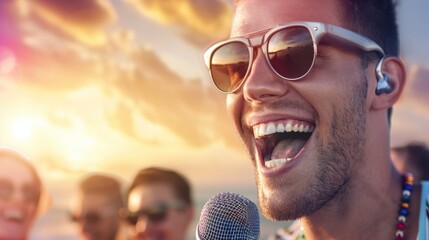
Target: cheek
31 210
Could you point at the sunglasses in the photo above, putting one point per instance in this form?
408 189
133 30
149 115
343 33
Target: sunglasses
290 51
30 193
90 217
155 214
94 217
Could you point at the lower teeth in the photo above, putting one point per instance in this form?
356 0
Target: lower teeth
276 162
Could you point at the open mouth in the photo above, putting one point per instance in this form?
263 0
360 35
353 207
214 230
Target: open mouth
14 216
281 141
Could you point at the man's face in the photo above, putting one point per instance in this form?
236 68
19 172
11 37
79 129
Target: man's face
330 101
98 217
171 227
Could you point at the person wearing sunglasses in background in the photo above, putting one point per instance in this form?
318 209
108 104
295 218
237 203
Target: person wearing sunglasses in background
22 195
96 208
310 85
159 205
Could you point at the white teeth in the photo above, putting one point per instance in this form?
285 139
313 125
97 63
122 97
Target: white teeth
306 128
265 129
288 127
262 129
280 128
296 128
276 162
271 129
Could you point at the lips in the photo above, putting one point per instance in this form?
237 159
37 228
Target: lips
281 141
14 221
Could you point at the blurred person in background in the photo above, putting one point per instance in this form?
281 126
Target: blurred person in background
96 208
159 205
22 195
412 157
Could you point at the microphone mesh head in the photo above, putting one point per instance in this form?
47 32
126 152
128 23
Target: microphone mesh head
229 216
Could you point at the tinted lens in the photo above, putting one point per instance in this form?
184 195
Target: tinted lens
154 215
291 52
89 217
157 216
132 219
229 64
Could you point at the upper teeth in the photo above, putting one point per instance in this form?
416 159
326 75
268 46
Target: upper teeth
265 129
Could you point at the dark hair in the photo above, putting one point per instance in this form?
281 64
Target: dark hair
178 182
416 154
375 19
103 184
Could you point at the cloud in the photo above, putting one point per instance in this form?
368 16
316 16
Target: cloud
83 20
134 79
199 21
186 108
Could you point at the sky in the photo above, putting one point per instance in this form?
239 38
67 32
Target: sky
114 86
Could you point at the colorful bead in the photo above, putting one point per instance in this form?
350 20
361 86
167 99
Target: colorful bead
403 212
407 187
405 205
406 193
405 198
399 233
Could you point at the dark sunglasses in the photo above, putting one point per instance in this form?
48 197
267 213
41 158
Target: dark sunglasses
290 51
90 217
155 214
94 217
30 193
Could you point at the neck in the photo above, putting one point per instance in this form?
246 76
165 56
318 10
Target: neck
367 209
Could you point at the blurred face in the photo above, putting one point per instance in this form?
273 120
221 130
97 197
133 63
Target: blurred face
98 217
304 137
170 225
19 195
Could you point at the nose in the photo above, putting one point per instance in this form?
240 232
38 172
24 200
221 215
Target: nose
262 83
142 224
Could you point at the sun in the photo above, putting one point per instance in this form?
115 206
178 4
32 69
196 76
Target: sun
22 128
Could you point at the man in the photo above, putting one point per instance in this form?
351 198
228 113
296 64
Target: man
97 208
159 205
412 157
309 95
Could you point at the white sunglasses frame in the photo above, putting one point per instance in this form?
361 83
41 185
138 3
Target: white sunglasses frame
317 31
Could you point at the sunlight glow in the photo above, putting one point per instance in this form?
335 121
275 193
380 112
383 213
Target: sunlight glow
22 128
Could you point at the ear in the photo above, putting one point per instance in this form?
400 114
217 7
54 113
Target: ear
394 69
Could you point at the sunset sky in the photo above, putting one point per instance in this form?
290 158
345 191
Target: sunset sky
115 86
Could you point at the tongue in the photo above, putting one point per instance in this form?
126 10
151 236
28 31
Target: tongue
287 148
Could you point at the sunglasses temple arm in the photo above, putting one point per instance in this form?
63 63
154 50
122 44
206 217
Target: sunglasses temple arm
358 40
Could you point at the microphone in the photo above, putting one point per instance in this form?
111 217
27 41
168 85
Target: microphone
228 216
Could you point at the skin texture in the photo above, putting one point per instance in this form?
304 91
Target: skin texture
104 205
16 212
174 227
343 174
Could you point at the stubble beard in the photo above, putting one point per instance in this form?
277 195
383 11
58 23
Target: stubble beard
333 165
